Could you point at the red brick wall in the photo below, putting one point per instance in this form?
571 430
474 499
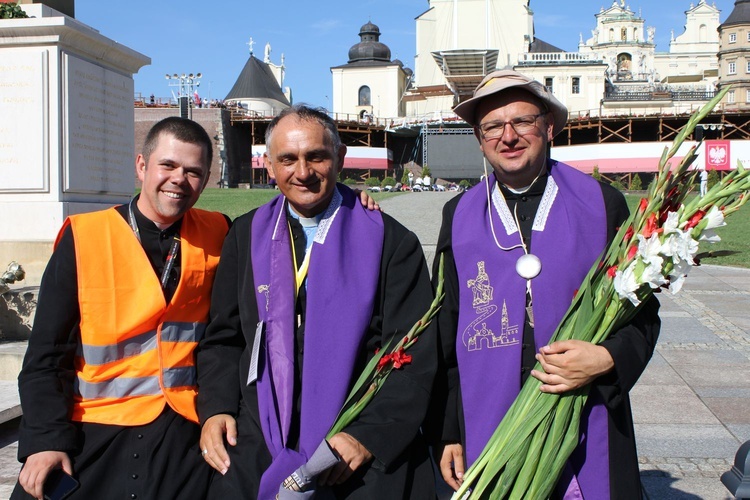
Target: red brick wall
210 119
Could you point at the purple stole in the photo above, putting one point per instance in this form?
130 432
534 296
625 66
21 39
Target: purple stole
341 282
569 234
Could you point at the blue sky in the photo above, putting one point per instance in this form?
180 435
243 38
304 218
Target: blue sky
211 37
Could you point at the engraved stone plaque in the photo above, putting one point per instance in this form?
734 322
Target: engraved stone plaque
98 129
23 121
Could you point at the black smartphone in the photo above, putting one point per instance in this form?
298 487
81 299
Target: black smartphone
59 485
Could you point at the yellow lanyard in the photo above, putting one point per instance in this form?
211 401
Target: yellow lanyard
302 271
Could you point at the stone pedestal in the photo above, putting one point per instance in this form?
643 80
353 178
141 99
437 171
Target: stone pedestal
66 129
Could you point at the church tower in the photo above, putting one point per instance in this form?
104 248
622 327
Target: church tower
461 41
258 87
370 85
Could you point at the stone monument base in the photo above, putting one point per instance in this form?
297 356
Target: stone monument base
32 255
38 225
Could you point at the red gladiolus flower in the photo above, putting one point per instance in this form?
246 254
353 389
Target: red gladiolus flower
643 205
650 227
400 358
612 271
384 361
629 233
633 250
695 219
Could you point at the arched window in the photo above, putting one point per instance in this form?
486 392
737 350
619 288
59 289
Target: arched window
624 62
611 34
364 96
635 34
702 33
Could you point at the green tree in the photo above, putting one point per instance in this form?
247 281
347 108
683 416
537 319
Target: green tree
596 174
372 181
464 184
713 178
11 11
617 184
405 178
636 184
388 181
426 171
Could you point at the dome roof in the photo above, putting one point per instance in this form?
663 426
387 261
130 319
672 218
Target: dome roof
369 48
740 14
369 28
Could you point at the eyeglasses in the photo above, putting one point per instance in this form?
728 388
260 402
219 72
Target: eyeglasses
522 125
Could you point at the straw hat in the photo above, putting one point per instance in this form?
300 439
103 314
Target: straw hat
504 79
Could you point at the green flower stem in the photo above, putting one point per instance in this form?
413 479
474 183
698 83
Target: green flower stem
373 377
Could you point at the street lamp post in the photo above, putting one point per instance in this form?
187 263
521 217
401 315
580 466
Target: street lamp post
187 84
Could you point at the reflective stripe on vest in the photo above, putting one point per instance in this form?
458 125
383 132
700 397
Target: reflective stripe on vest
170 332
123 387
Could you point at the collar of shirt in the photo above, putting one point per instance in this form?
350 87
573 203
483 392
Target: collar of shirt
146 225
536 189
309 225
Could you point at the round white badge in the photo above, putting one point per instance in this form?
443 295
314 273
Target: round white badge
528 266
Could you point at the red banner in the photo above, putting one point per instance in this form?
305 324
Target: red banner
717 155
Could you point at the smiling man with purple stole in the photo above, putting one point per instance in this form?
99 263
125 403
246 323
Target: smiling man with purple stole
507 289
308 287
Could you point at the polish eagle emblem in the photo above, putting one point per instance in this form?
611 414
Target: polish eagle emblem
717 155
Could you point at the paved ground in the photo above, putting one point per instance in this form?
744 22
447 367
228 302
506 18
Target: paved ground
692 405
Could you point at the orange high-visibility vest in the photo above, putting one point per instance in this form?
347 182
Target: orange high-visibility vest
136 352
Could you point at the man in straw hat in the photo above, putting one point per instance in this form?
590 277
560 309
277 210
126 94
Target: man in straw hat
507 291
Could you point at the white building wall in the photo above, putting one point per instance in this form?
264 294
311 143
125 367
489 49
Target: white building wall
261 107
430 106
701 30
590 88
505 25
386 87
676 64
